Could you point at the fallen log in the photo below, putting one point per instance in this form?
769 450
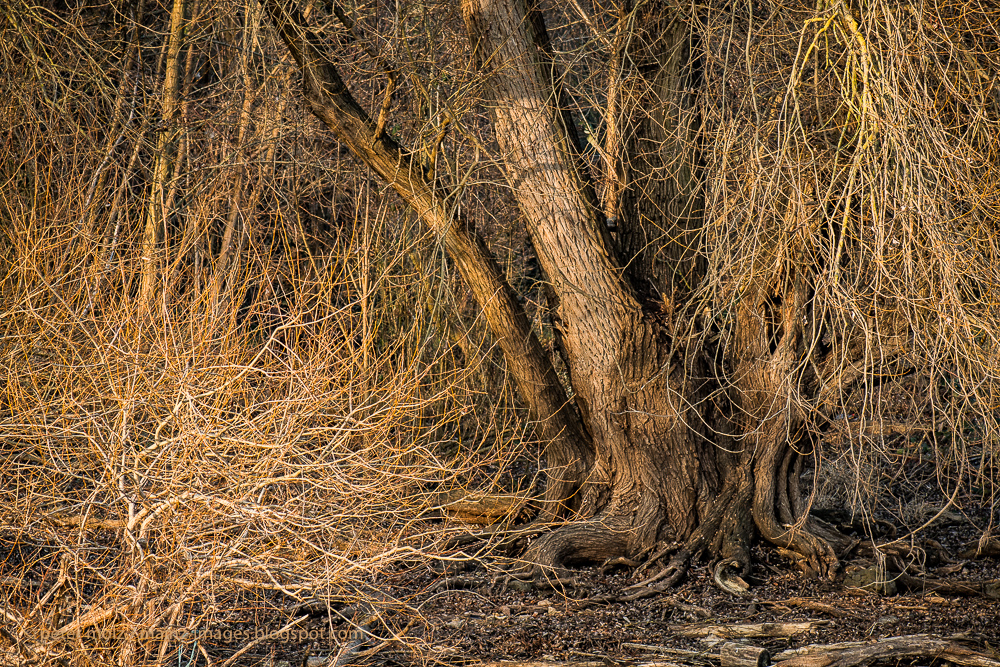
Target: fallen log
988 589
684 655
740 655
849 654
480 508
979 549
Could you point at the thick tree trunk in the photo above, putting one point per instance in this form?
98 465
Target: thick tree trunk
661 469
654 471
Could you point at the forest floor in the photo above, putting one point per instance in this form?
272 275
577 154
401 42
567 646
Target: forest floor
453 609
472 614
459 611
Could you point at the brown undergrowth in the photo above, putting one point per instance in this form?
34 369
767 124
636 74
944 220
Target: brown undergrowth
268 430
240 387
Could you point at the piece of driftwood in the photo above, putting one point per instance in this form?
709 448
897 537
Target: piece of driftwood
479 508
537 663
740 655
848 654
746 630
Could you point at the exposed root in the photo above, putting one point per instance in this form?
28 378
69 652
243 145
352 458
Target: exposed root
621 561
842 544
675 569
811 553
510 537
591 541
657 555
726 532
750 501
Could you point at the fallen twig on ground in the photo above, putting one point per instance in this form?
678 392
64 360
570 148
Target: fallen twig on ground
812 605
749 629
988 589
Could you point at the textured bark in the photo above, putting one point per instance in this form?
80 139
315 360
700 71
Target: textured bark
765 354
653 474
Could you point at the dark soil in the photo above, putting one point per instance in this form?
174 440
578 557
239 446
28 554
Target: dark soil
473 613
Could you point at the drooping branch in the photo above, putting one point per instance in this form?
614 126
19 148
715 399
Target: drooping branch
568 447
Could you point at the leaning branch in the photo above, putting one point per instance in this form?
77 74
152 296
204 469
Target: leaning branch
568 448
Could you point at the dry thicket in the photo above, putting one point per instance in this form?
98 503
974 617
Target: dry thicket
238 372
272 424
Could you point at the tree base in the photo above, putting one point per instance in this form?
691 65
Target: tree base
728 531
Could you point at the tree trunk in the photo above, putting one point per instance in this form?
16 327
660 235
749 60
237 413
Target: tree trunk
654 470
653 453
154 232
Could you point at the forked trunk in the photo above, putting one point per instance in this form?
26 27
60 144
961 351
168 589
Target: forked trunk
661 470
655 471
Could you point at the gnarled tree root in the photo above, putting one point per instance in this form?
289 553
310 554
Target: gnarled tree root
591 541
726 532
